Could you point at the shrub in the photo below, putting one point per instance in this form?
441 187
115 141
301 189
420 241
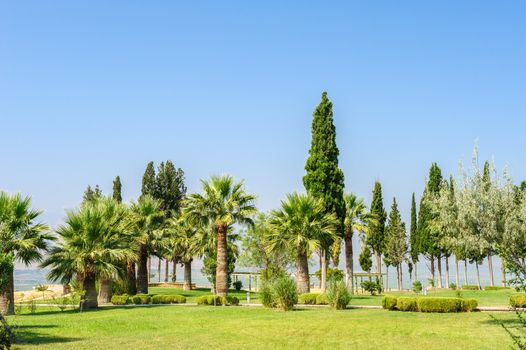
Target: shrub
120 299
266 296
7 338
335 274
389 302
431 282
453 286
490 288
238 285
468 305
168 299
307 298
284 293
322 299
141 299
518 301
338 295
470 287
417 287
372 287
230 300
437 304
215 300
406 304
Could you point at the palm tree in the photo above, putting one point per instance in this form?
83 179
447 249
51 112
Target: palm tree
356 219
184 244
95 242
222 204
21 238
147 220
301 225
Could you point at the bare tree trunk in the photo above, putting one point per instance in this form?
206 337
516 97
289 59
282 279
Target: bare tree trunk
457 277
439 263
398 284
414 269
105 290
378 264
465 271
323 256
7 296
142 270
302 273
478 275
447 271
401 278
131 278
149 267
386 277
432 260
222 261
174 274
349 259
503 269
187 275
159 270
166 270
89 299
490 268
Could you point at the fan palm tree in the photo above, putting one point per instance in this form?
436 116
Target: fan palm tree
184 245
147 219
301 225
95 242
21 238
222 204
356 219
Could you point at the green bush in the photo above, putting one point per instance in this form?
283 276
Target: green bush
468 305
266 296
389 302
7 338
417 287
120 299
338 295
307 298
141 299
238 285
470 287
437 304
407 304
336 274
284 293
212 300
322 299
372 287
168 299
490 288
453 286
518 300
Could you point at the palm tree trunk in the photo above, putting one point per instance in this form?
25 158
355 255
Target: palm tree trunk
447 271
478 274
302 273
465 271
142 270
105 290
349 259
166 270
222 261
131 278
7 296
89 299
503 269
159 270
187 275
490 268
439 263
457 277
174 272
323 256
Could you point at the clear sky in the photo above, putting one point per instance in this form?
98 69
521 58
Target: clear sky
94 89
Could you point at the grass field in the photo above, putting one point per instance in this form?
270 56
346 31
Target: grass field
184 327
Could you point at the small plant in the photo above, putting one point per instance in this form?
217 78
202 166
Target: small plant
266 296
7 337
458 294
284 293
32 306
417 287
237 285
372 287
338 295
62 303
42 288
453 286
431 282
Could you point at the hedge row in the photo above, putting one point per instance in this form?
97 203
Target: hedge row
142 299
429 304
470 287
488 288
518 300
313 299
217 300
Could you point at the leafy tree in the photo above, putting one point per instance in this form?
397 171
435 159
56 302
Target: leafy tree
414 240
396 241
149 181
302 225
95 241
376 236
117 190
223 203
21 238
170 188
91 195
185 245
324 179
365 258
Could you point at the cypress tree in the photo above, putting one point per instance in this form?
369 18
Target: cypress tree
324 179
170 187
396 243
91 195
117 189
376 236
148 181
413 235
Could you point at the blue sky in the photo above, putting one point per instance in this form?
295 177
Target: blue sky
94 89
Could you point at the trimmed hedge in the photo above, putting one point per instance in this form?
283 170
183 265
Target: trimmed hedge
168 299
518 300
322 299
217 300
141 299
439 305
468 305
389 302
308 298
470 287
406 304
488 288
120 299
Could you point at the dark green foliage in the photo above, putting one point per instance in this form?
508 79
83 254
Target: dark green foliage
238 285
117 190
7 337
141 299
417 286
210 263
169 187
406 304
440 305
338 295
372 287
324 179
366 263
518 301
429 238
120 299
168 299
266 295
6 268
90 195
308 298
389 302
284 293
376 235
414 240
470 287
148 181
395 237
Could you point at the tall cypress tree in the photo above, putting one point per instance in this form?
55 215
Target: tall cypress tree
413 235
376 235
396 241
148 181
117 189
170 187
324 179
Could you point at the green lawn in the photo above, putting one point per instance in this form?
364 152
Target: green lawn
185 327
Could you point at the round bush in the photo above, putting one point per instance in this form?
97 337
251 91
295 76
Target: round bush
120 299
389 302
307 298
141 299
406 304
518 300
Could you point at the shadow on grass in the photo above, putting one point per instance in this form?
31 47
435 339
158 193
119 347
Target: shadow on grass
29 334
